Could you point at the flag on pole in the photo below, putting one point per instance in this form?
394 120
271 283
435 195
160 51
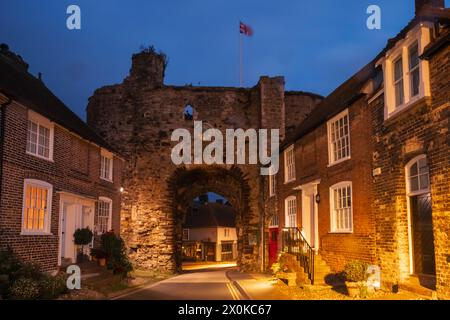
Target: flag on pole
245 29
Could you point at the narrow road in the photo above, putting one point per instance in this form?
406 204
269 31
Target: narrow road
206 284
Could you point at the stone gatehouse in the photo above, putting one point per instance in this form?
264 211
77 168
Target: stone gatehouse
138 117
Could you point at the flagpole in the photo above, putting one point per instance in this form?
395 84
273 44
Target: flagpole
240 58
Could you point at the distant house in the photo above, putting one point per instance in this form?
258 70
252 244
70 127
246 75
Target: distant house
209 233
56 174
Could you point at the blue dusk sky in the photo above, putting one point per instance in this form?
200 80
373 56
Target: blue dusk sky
315 45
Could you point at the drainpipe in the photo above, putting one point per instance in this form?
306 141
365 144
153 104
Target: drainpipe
2 142
263 219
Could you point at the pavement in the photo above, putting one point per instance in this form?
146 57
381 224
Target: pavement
215 283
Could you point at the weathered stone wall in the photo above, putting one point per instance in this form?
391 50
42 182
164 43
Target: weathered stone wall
139 116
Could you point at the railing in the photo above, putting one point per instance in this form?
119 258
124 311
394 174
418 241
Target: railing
294 243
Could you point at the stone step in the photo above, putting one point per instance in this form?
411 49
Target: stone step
413 285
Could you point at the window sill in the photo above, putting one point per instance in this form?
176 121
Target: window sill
289 181
415 101
40 157
338 162
107 180
340 232
35 233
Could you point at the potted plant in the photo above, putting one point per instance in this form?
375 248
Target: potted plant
100 256
355 276
82 237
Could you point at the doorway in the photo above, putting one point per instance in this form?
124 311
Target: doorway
309 214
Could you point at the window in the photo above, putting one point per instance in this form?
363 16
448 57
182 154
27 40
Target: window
274 221
339 138
272 185
185 234
289 164
188 113
406 76
106 168
418 176
104 213
414 74
39 136
341 207
398 82
290 205
37 203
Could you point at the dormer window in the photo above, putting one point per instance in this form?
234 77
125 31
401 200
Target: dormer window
406 76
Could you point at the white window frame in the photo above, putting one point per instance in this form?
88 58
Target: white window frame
408 177
333 227
331 160
413 69
289 167
420 35
40 121
287 212
47 217
109 227
274 221
185 232
272 184
107 156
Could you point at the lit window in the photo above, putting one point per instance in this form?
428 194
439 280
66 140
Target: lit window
291 212
341 207
274 221
39 136
185 234
106 169
339 138
418 177
398 82
289 164
103 216
414 74
36 207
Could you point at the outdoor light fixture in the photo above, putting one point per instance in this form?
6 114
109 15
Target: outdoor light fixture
317 198
121 189
285 229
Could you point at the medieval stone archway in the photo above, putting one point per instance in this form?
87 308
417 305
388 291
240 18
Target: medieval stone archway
138 117
187 184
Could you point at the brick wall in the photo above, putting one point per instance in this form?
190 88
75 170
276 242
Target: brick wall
75 169
311 158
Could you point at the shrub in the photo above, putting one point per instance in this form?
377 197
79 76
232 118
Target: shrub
52 287
288 263
116 251
83 236
25 289
355 271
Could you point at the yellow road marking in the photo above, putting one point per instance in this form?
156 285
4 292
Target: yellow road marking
233 292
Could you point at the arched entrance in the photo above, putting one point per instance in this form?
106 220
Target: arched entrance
189 183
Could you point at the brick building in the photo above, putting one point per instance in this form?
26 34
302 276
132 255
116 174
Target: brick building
56 173
365 175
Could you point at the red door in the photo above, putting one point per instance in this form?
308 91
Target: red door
273 245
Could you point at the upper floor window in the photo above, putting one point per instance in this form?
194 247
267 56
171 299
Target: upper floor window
341 207
39 136
418 180
289 164
106 168
290 207
37 203
188 113
406 76
103 221
274 221
272 185
339 138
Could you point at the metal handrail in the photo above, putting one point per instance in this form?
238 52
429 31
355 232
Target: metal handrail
295 243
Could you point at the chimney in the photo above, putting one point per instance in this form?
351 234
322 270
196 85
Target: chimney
421 4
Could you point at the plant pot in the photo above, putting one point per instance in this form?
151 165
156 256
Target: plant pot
102 262
80 257
354 288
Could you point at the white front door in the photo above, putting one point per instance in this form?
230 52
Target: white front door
68 225
309 214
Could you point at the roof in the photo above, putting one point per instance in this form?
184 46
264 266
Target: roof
211 215
21 86
440 43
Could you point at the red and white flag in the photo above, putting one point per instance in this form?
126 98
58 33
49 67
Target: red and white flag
245 29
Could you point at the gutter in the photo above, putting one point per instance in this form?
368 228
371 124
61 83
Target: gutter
2 142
